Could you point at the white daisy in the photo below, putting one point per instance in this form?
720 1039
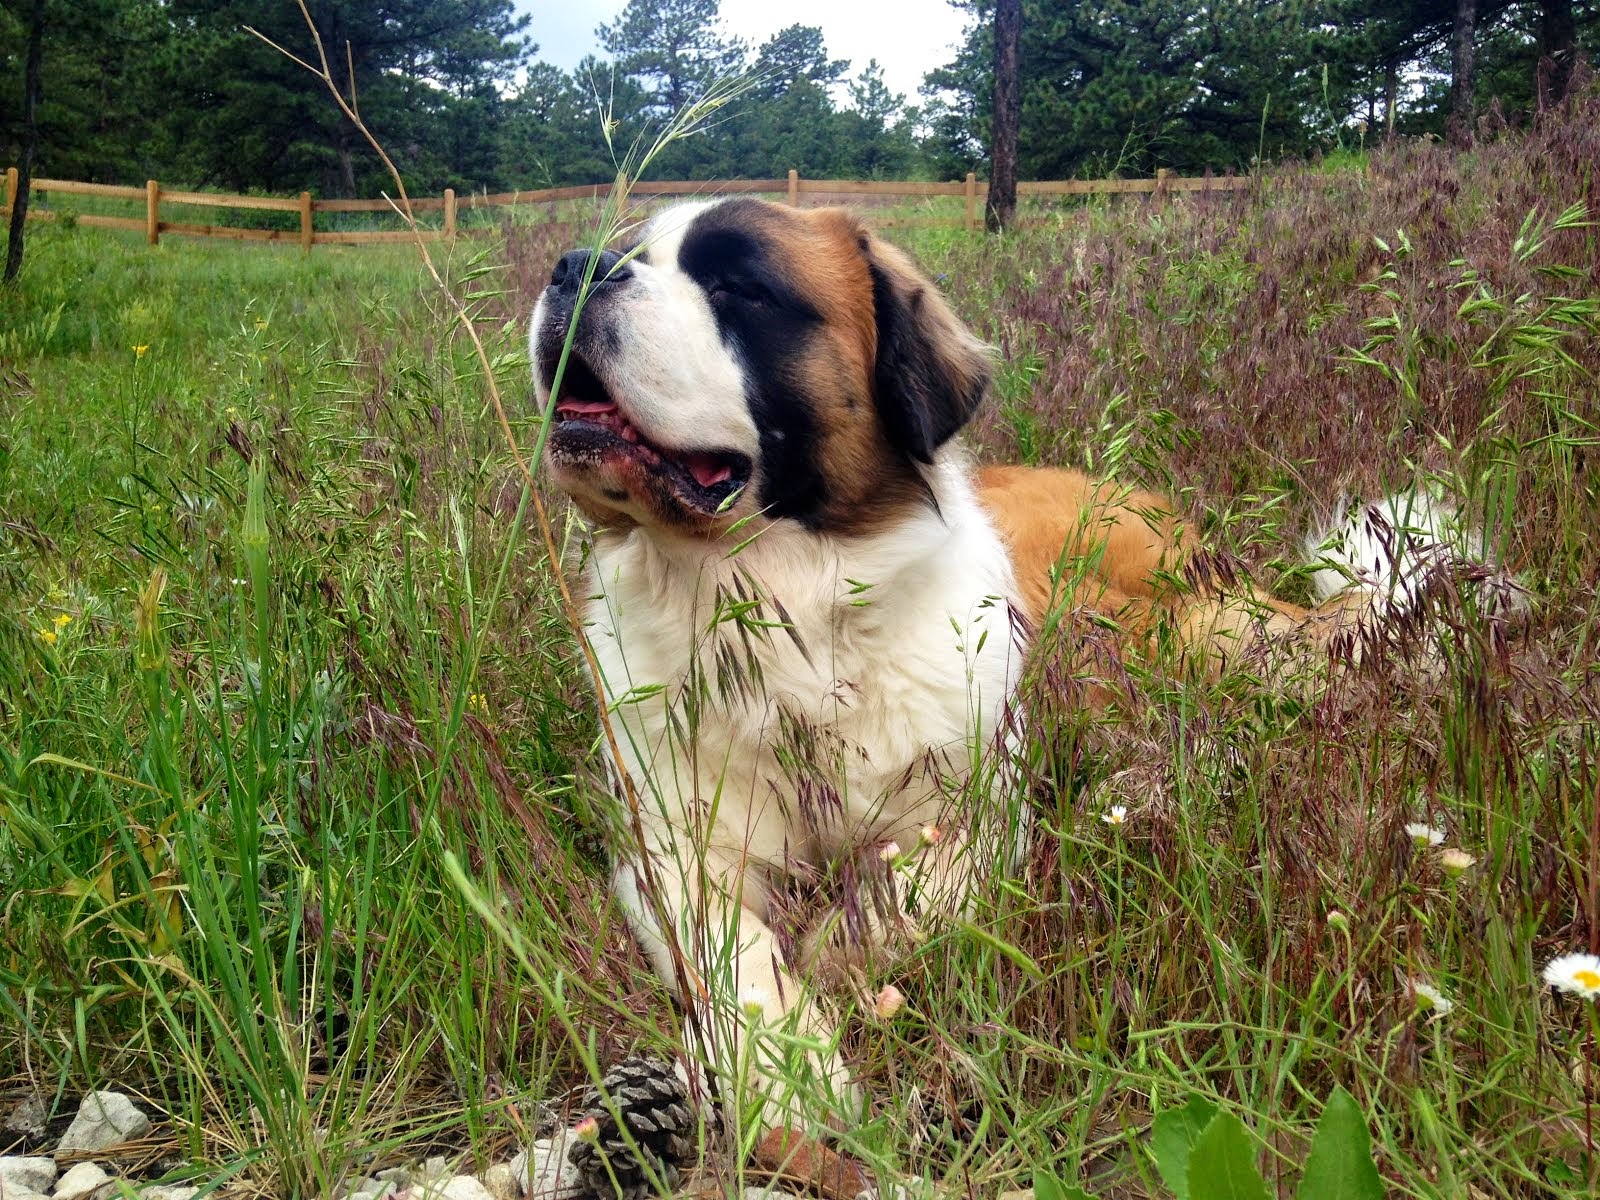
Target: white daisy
1578 973
1430 999
1424 836
1118 815
1455 862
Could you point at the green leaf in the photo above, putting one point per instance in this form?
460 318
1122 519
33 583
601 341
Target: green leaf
1222 1164
1048 1186
1340 1165
1172 1138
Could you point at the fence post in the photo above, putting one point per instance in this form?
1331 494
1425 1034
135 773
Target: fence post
1161 187
152 212
794 188
305 222
972 201
449 214
11 189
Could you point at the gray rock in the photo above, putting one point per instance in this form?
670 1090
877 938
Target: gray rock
458 1187
505 1181
545 1169
80 1181
104 1119
360 1188
399 1176
166 1192
22 1194
28 1118
26 1175
437 1167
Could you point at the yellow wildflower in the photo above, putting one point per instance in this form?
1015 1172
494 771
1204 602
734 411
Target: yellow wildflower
63 620
48 636
141 351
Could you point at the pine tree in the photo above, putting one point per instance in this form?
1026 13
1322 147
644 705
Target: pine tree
413 67
674 48
793 55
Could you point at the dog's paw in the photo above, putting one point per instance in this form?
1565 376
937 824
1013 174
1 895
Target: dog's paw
836 954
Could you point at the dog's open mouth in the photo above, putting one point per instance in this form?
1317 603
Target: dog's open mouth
591 429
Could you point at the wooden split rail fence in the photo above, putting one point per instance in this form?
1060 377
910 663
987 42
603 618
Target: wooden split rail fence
450 205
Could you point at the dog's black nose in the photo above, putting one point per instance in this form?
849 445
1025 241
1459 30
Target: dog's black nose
569 272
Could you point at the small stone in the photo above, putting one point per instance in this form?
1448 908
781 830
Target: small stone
362 1187
82 1180
505 1181
28 1118
396 1175
35 1174
459 1187
104 1119
168 1192
437 1167
545 1167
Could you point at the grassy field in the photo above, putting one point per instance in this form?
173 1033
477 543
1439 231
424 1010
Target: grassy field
268 749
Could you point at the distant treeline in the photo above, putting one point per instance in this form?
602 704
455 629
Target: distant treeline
180 90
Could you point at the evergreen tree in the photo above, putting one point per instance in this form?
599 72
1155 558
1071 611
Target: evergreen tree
878 129
259 119
101 110
793 55
674 48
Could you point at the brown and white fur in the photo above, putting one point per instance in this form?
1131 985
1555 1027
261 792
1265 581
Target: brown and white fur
805 595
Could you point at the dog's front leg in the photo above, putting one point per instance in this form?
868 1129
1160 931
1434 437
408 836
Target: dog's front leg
764 1036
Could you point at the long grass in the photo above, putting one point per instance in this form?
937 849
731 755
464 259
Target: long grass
312 659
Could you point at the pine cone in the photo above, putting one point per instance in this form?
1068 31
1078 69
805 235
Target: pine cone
656 1107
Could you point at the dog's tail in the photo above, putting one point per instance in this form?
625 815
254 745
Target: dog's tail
1402 550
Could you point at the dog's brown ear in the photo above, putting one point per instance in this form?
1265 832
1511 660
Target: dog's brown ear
931 373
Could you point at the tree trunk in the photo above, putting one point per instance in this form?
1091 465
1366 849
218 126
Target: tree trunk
1002 206
30 144
1461 72
1557 47
1391 94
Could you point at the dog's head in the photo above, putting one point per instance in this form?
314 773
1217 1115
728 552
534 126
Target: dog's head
743 357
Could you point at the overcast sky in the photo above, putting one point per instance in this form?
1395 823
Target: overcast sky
909 37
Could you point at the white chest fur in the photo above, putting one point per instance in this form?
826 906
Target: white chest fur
806 691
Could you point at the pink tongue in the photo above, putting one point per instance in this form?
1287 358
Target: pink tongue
707 471
568 404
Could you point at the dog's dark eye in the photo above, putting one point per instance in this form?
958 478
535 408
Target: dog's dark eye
746 290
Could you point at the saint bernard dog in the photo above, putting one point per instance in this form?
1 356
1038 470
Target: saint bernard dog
810 608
